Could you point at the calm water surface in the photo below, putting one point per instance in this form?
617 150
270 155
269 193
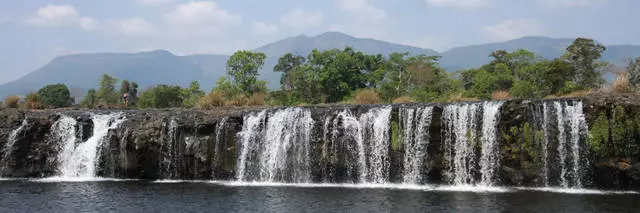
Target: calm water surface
137 196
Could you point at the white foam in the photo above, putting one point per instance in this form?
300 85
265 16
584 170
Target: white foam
181 181
74 179
574 190
469 188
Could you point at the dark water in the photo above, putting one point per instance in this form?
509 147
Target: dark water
26 196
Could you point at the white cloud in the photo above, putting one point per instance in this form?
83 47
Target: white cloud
61 15
201 18
365 20
262 28
572 3
458 3
153 2
300 18
362 8
512 29
136 27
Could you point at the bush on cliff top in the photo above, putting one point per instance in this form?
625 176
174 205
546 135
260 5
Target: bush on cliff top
11 102
366 96
33 101
210 101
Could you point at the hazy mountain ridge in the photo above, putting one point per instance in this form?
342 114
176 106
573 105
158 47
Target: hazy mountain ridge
82 71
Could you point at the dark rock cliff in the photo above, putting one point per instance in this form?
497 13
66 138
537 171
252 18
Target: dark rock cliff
193 144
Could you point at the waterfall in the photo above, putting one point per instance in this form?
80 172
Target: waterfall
545 145
415 141
219 141
249 137
577 123
460 140
279 150
490 156
8 148
171 155
375 132
80 161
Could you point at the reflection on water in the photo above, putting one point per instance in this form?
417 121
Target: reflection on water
136 196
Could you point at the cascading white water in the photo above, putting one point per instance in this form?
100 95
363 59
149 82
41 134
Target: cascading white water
375 129
249 138
571 127
352 130
545 145
64 132
80 161
490 156
460 140
170 158
8 148
577 123
415 140
282 146
219 140
562 141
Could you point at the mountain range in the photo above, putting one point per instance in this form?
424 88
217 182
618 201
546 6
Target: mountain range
82 71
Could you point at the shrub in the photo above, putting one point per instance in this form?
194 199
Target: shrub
500 95
458 97
239 100
257 99
402 100
54 96
11 102
33 101
366 96
578 93
621 85
210 101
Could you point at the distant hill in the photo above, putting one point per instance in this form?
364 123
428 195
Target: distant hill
82 71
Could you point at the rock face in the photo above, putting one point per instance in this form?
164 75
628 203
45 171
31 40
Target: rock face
533 143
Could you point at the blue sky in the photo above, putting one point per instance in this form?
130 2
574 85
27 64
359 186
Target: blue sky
32 32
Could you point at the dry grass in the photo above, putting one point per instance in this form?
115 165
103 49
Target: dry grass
402 100
459 98
500 95
239 100
257 99
366 96
621 85
210 101
575 94
32 101
11 102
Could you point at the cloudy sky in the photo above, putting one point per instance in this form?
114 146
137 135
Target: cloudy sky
32 32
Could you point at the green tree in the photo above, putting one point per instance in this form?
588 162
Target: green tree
192 94
107 93
583 54
125 87
161 96
55 96
90 100
133 93
286 64
633 68
226 88
243 67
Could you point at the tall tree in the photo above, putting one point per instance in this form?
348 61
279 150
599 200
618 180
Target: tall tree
633 68
55 96
125 87
192 94
243 67
90 100
286 64
583 54
107 93
133 93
